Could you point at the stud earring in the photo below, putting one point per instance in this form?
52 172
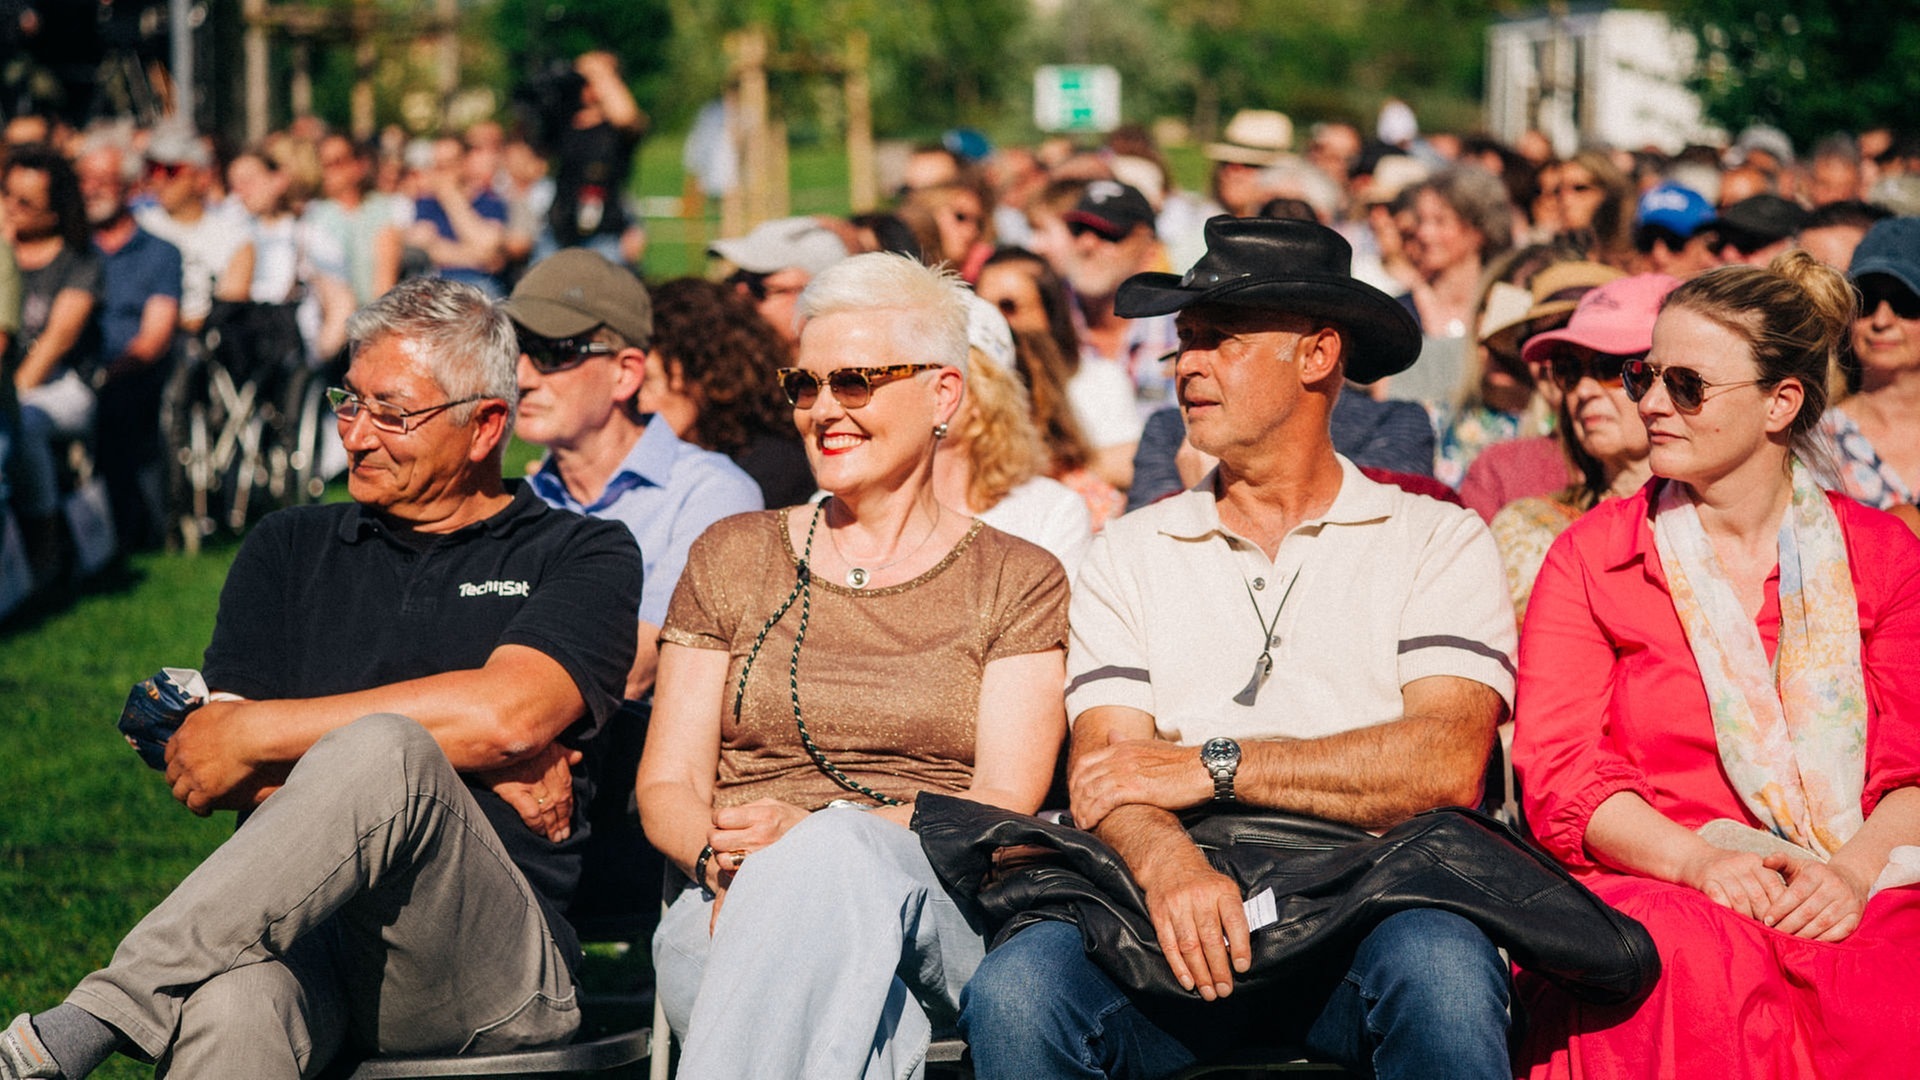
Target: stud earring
940 431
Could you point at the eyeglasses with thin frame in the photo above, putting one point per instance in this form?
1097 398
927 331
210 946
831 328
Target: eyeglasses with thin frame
1685 386
852 387
550 356
348 406
1567 366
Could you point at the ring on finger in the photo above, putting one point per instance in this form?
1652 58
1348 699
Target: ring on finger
739 858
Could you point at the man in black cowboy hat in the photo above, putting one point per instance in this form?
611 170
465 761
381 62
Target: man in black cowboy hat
1286 635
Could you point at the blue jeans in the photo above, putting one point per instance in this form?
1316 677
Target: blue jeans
1426 997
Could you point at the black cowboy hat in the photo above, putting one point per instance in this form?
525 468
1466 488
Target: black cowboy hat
1296 267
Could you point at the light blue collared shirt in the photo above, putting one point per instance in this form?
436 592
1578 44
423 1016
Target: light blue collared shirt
666 492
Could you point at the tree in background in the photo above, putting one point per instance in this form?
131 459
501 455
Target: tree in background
1809 67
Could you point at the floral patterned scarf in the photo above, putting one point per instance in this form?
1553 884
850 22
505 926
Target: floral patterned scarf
1792 735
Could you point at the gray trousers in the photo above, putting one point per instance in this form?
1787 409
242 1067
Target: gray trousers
368 897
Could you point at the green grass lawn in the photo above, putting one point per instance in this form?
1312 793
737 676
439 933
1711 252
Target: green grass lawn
90 838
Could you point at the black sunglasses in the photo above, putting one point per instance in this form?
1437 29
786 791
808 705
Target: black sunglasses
852 387
1685 388
1568 366
1877 290
550 356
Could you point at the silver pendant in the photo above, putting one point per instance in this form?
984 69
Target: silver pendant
1261 668
857 578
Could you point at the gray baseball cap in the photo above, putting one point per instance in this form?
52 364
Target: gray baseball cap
796 243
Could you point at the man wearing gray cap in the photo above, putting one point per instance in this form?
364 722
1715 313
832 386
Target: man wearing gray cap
584 325
1287 635
777 260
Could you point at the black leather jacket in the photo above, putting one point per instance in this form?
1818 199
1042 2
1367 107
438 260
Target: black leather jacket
1332 883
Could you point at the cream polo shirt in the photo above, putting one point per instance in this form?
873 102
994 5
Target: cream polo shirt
1384 588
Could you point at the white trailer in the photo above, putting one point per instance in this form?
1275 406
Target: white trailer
1594 76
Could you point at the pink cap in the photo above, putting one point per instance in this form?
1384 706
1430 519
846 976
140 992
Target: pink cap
1615 318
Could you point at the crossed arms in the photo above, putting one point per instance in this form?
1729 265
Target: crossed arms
499 721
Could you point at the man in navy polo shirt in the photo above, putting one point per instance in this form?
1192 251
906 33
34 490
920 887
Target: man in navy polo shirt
139 308
403 688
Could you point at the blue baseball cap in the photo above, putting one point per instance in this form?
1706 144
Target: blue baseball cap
1891 247
1681 211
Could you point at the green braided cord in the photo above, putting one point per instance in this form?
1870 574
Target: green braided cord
802 588
806 738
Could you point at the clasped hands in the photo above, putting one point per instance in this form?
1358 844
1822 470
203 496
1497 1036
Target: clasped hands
1800 896
1198 913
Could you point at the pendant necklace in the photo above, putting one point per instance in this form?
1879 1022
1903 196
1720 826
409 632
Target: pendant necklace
858 576
1263 664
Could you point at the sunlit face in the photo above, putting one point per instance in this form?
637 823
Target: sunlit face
961 222
1733 423
1051 241
405 473
341 172
1236 382
27 197
778 299
104 192
1100 264
562 408
883 443
1579 196
1885 340
1445 239
258 187
1011 289
1607 423
1835 179
1833 244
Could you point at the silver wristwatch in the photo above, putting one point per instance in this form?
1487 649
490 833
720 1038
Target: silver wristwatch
1221 757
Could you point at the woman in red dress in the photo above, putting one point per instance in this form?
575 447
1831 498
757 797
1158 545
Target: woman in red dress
1718 723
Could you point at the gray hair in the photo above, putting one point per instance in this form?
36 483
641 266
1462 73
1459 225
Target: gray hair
116 139
1481 200
931 306
464 338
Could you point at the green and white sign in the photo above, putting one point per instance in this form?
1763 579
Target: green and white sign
1076 97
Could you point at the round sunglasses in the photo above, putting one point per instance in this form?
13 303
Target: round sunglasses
852 387
1685 387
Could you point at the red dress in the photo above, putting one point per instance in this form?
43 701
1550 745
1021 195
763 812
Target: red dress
1610 700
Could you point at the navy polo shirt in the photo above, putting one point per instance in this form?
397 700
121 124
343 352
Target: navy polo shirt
329 600
146 266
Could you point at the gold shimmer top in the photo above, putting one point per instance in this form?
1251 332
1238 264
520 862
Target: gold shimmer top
889 678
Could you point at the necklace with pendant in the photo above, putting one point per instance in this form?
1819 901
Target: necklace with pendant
858 576
1263 664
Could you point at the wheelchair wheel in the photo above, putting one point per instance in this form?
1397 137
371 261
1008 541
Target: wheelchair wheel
188 423
310 426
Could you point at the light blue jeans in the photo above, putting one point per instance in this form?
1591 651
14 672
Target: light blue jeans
838 954
1424 999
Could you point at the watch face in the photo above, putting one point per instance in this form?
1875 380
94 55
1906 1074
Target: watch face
1220 753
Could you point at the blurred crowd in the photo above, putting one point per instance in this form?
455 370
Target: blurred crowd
124 247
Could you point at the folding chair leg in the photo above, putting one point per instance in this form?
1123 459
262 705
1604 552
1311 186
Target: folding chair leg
658 1065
